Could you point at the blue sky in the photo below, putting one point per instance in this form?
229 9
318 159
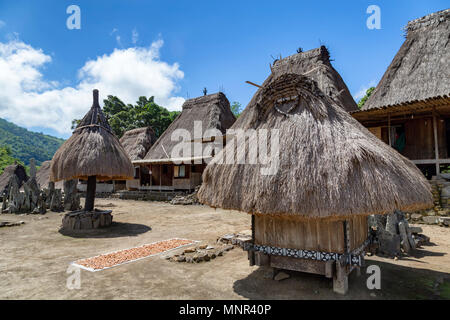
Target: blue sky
196 44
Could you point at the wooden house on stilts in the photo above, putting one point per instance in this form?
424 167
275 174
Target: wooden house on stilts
177 159
310 213
410 108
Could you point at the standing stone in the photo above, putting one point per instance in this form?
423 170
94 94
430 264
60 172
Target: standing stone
404 236
391 223
71 197
32 168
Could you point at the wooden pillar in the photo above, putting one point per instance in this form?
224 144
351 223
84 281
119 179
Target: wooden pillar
436 144
90 193
389 129
160 173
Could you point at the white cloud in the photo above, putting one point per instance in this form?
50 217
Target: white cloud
119 43
2 24
362 92
29 100
134 36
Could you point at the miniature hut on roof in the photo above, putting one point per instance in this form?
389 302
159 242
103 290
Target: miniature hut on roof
183 172
92 153
136 143
310 213
410 107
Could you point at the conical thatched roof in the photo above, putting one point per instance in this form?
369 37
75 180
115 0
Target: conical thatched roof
137 142
420 70
14 169
212 110
92 150
329 165
43 176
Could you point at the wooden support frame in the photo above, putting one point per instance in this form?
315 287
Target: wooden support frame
436 144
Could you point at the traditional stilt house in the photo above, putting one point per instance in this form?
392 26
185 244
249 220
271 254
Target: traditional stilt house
410 108
175 161
309 202
137 143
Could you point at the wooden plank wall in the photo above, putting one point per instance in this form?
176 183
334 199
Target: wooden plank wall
309 235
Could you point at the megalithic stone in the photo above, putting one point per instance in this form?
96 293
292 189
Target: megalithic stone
32 168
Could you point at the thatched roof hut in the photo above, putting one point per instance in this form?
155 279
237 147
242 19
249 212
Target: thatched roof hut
43 176
93 153
137 142
414 93
9 172
329 165
92 150
212 110
419 74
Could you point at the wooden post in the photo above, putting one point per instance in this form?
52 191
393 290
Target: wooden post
436 145
160 173
90 193
389 130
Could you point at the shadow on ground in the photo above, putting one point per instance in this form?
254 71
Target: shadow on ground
116 230
397 282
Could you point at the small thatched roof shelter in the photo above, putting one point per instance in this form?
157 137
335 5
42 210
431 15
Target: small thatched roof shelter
212 110
329 165
137 142
43 176
9 172
92 150
418 77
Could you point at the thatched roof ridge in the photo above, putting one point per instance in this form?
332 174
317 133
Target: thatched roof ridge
316 64
329 165
212 110
92 150
420 70
8 172
137 142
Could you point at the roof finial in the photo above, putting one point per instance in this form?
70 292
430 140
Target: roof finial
95 96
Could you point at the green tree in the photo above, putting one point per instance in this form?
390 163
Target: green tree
236 108
363 100
123 117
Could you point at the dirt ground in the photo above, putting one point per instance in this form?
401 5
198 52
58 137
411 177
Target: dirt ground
34 258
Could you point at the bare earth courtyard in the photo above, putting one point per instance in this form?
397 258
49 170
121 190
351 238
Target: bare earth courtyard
35 257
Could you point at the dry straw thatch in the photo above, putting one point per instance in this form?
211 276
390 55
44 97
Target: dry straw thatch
330 166
14 169
92 150
212 110
137 142
43 176
421 68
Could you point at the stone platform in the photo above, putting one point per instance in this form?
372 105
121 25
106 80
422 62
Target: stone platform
82 220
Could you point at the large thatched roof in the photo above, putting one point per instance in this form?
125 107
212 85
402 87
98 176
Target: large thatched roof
212 110
43 176
421 69
14 169
329 165
92 150
137 142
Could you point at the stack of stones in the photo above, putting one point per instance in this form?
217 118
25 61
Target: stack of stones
440 213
